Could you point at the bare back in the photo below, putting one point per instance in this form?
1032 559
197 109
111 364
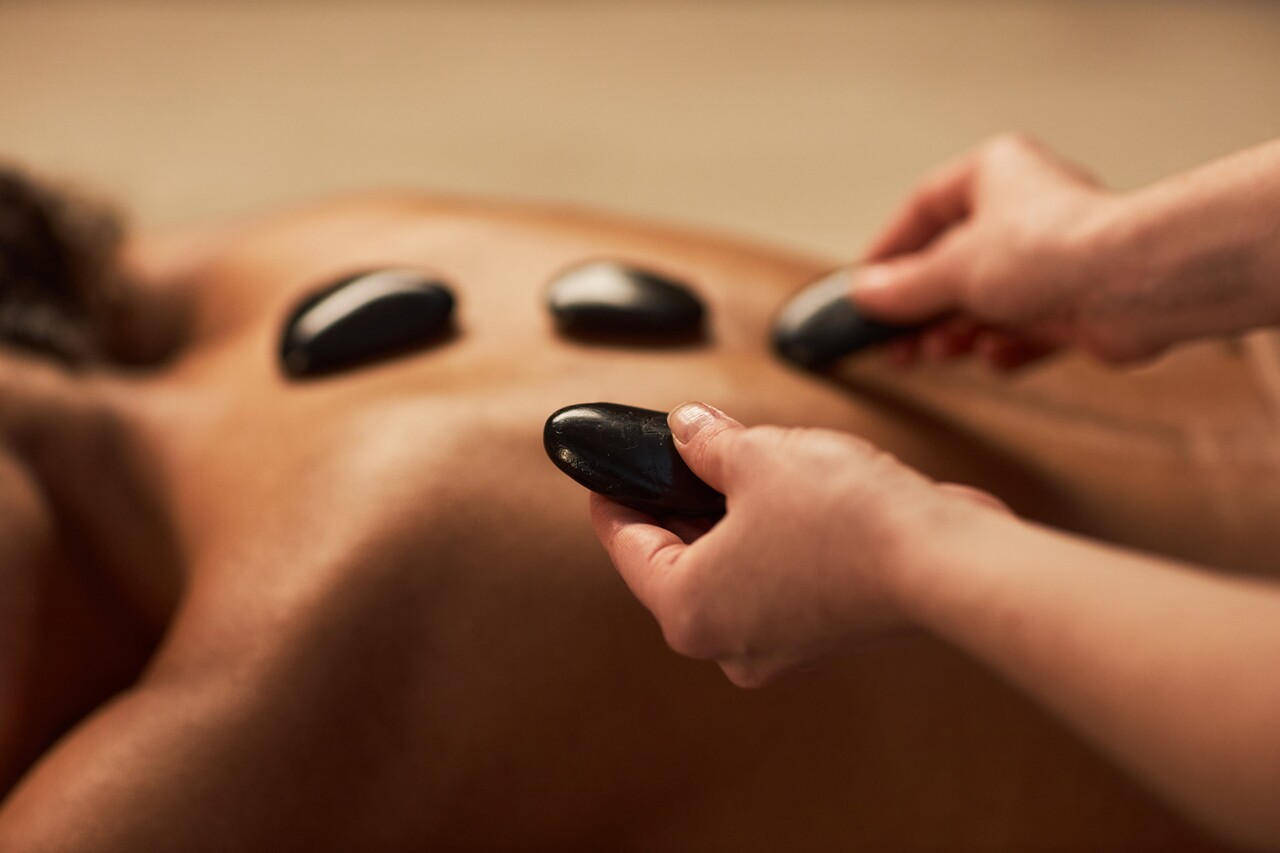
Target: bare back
386 622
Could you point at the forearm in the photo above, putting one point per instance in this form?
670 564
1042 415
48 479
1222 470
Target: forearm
1169 669
1193 255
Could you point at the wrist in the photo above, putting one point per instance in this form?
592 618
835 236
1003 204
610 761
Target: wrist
1113 251
951 542
1190 256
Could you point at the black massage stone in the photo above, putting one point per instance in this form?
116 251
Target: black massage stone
628 455
365 317
603 300
821 324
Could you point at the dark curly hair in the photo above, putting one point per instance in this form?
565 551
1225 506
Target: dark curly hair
57 267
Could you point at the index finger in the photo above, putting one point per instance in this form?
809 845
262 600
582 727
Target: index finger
941 199
642 552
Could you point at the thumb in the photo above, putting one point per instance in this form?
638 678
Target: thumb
704 436
910 289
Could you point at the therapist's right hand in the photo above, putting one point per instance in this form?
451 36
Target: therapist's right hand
822 530
1005 242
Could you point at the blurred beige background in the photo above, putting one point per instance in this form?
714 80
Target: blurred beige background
802 122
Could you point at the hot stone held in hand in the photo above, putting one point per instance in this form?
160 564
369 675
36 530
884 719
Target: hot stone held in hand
821 324
628 455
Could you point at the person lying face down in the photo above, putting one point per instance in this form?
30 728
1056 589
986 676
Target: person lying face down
365 611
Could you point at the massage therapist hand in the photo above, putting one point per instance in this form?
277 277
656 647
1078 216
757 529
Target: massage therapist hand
828 541
804 565
1013 252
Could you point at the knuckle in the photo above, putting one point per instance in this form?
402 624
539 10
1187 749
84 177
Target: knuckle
660 559
758 439
850 443
686 624
837 448
765 443
748 676
685 633
1011 145
751 447
771 448
1014 140
710 440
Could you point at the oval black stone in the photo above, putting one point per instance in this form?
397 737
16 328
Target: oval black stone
363 317
821 324
628 455
603 299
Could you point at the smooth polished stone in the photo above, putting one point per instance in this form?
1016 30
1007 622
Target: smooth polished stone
365 317
821 324
628 455
604 299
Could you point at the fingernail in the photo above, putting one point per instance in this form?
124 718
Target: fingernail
871 277
688 419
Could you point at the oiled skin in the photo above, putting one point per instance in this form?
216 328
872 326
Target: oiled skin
372 614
